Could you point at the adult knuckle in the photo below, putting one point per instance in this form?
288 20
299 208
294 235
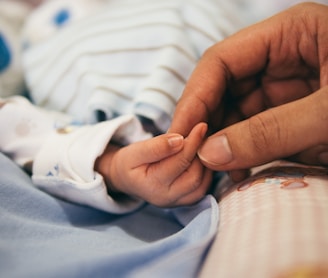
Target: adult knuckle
265 131
322 113
210 52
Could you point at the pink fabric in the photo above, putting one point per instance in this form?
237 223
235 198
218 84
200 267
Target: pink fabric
273 225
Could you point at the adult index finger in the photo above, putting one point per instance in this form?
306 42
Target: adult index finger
241 55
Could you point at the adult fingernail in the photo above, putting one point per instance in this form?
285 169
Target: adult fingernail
216 150
323 158
175 140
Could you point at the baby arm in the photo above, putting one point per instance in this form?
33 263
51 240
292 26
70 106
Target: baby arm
61 156
164 170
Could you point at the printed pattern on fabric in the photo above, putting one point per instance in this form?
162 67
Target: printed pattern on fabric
286 177
273 224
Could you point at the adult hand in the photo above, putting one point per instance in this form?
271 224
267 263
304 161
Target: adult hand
266 86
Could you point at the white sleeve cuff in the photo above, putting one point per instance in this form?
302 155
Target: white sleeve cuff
65 164
25 127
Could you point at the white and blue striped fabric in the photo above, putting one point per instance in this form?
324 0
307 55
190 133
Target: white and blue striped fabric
116 57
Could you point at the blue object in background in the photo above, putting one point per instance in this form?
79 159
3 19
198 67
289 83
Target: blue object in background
61 17
5 54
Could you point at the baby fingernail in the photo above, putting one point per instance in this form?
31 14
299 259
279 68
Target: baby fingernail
175 140
216 151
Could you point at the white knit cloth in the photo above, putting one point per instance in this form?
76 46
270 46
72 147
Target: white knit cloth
120 57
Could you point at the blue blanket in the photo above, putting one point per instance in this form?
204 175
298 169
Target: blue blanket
41 236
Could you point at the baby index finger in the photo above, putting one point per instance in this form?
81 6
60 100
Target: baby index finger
155 149
168 170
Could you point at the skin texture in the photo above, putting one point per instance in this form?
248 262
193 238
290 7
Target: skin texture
164 170
263 92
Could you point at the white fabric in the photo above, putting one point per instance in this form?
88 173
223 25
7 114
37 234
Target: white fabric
128 57
68 172
63 155
24 128
117 57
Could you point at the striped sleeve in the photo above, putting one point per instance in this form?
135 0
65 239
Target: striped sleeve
123 57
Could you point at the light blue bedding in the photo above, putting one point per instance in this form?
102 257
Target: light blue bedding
41 236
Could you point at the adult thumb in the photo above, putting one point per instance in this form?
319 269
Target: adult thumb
276 133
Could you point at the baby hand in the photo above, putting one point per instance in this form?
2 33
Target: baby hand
164 170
